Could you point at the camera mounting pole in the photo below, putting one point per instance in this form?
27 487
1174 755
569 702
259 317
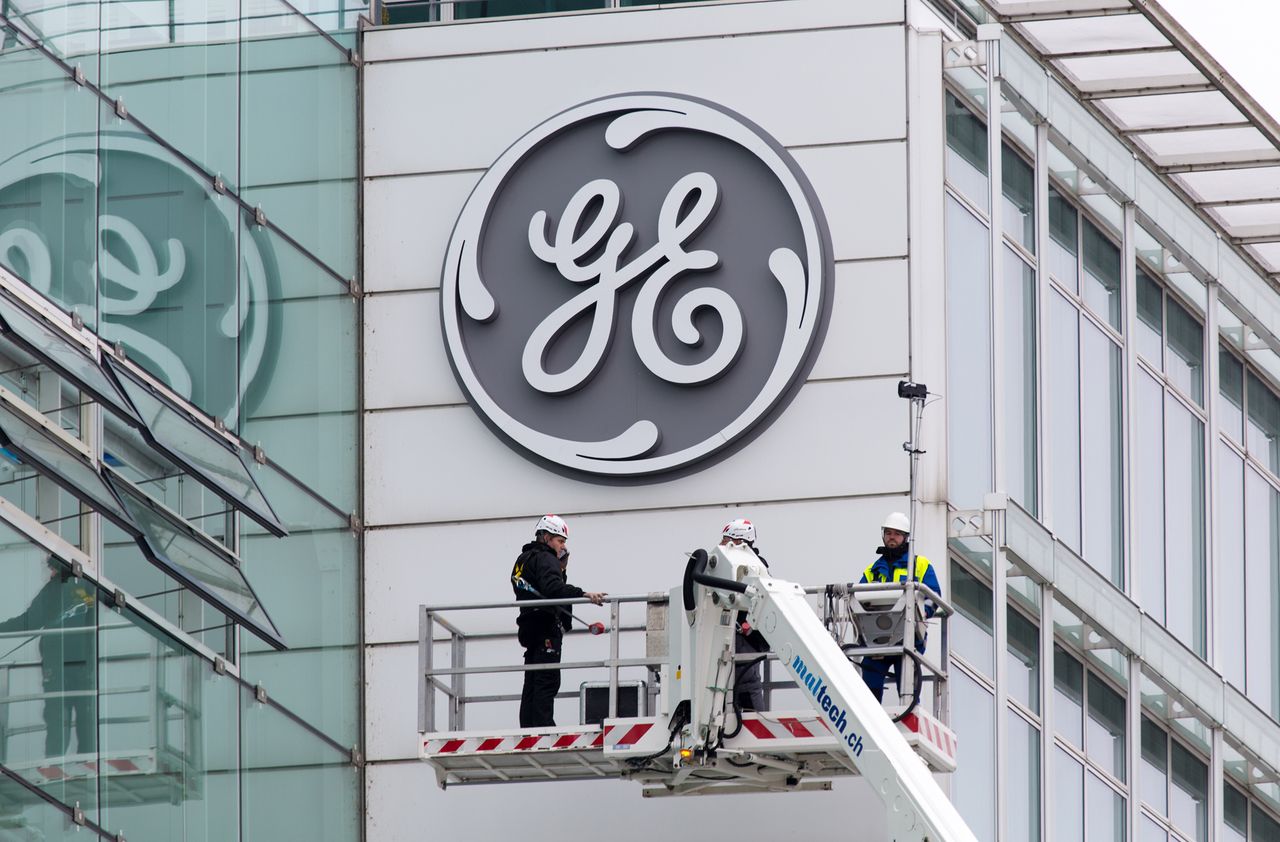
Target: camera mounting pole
916 393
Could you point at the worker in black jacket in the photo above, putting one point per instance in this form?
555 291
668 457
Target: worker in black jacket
748 675
64 615
537 574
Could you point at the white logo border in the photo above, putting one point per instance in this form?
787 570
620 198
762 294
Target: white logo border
461 288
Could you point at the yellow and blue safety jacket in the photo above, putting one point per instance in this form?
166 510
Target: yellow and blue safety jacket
896 570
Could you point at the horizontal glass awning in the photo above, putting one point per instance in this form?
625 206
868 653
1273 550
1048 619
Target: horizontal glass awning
1196 125
199 451
194 559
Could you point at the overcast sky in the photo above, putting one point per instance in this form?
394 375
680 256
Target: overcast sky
1240 34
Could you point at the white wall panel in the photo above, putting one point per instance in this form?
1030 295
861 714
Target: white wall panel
812 542
405 362
869 328
402 795
863 191
804 88
391 701
429 465
407 223
689 21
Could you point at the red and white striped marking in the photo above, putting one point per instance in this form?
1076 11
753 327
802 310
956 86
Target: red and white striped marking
785 726
621 735
932 735
78 769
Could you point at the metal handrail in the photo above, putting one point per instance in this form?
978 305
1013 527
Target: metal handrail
450 681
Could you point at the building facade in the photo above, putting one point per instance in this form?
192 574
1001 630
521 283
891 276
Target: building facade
296 338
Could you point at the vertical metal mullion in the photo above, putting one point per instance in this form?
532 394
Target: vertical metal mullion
990 38
1046 710
1214 610
1217 786
1129 280
1133 743
1045 423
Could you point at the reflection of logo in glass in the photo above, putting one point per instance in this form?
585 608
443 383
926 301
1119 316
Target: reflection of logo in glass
127 232
636 285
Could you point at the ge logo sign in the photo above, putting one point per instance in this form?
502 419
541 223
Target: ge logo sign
636 285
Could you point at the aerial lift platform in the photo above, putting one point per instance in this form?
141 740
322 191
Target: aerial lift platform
697 742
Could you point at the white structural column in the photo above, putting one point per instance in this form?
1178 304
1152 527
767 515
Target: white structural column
1133 745
1044 498
989 36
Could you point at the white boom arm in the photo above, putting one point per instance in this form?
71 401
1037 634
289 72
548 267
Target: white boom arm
918 810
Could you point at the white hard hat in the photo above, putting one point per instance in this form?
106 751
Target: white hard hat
553 524
897 521
740 529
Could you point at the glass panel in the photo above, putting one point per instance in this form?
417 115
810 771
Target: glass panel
1068 798
1068 696
1101 464
1023 660
299 367
1150 340
972 713
295 785
1064 410
1231 394
299 163
1262 572
311 580
1265 828
206 455
196 561
1064 235
1236 812
1105 812
1186 352
49 147
169 735
48 344
966 152
1184 541
1019 188
1149 831
48 677
1023 775
971 626
25 817
1102 274
968 357
1263 427
1153 773
1148 497
1021 468
175 64
1189 797
1106 734
1232 573
466 9
40 449
166 257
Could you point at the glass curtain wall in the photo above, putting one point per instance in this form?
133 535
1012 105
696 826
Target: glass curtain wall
969 327
152 190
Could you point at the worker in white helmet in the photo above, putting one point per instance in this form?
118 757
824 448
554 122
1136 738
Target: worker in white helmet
893 566
538 574
748 677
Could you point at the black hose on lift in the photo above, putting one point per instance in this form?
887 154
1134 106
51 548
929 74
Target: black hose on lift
695 571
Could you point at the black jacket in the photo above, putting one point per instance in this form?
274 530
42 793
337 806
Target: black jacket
60 604
539 566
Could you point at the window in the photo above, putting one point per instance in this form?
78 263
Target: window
968 357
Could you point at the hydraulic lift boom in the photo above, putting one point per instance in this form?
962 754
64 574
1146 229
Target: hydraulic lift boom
731 579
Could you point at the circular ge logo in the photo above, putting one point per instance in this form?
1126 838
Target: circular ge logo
637 284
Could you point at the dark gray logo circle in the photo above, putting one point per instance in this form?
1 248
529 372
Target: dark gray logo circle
636 285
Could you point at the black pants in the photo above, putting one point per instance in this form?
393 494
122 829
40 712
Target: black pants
60 710
537 701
